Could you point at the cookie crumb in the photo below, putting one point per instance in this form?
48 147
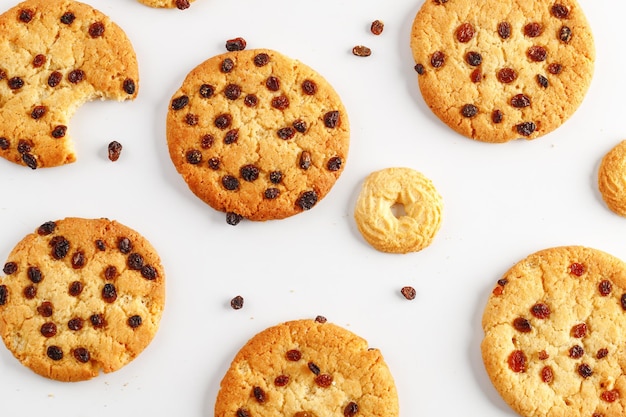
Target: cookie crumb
377 27
320 319
408 292
115 149
237 302
361 50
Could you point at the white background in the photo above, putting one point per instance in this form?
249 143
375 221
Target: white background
502 202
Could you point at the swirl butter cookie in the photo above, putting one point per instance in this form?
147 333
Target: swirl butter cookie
398 210
55 55
555 334
257 135
497 71
80 296
168 4
612 179
307 368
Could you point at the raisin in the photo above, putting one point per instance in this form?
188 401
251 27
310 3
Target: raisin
149 272
259 394
262 59
231 136
214 163
114 150
251 100
26 15
242 412
579 330
506 75
109 293
605 287
286 133
29 160
78 260
547 375
55 79
81 355
542 81
96 29
4 143
232 91
305 160
206 90
4 295
610 396
76 76
223 121
476 76
525 128
293 355
408 292
236 44
59 131
110 272
236 302
227 65
299 125
361 50
437 59
60 247
585 370
537 53
230 183
377 27
517 361
193 156
565 34
97 321
45 309
497 116
233 219
419 68
24 146
124 245
520 100
272 83
351 409
191 119
576 352
473 58
281 380
129 86
623 301
55 353
48 329
276 177
249 172
504 30
67 18
309 87
9 268
307 200
34 274
280 102
555 68
100 245
46 228
134 321
135 261
207 141
182 4
532 30
15 83
75 324
465 33
313 368
602 353
38 112
334 164
30 292
469 110
560 11
320 319
324 380
577 269
331 119
180 102
39 60
543 355
271 193
522 325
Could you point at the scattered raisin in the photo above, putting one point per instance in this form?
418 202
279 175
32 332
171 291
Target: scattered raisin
34 274
59 131
504 30
149 272
180 102
251 100
67 18
540 310
29 160
419 68
78 260
259 394
134 321
377 27
48 329
39 60
585 370
520 100
320 319
547 375
577 269
542 81
331 119
55 353
522 325
351 409
9 268
81 355
261 59
299 125
272 83
223 121
76 76
517 361
26 15
324 380
537 53
191 119
227 65
543 355
276 177
309 87
605 287
114 150
437 59
576 352
182 4
281 380
75 324
97 321
473 58
242 412
280 102
232 91
135 261
193 156
96 29
214 163
30 292
313 368
525 128
602 353
565 34
110 272
465 33
109 293
307 200
560 11
4 294
15 83
271 193
293 355
100 245
55 79
610 396
207 141
60 247
408 292
532 30
361 50
129 86
305 160
124 245
230 183
497 116
4 143
555 68
469 110
334 164
45 309
506 75
24 146
623 301
236 44
286 133
249 172
206 90
237 302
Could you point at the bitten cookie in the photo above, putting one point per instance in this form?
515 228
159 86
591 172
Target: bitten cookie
555 336
169 4
612 179
497 71
80 296
257 134
409 191
55 55
306 368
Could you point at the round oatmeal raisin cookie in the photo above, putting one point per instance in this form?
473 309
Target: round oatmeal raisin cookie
257 135
307 368
612 179
555 334
500 70
80 296
54 56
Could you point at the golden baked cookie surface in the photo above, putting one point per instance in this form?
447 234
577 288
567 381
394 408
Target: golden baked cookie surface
80 296
257 134
168 4
612 179
497 71
554 334
307 368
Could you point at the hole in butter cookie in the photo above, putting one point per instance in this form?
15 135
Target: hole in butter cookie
398 210
56 55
